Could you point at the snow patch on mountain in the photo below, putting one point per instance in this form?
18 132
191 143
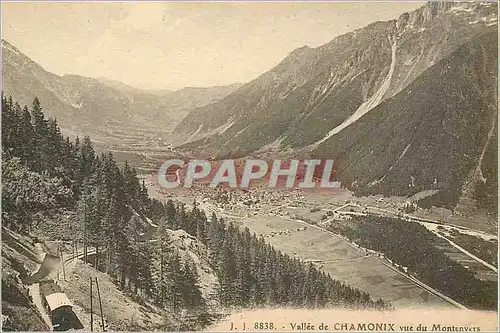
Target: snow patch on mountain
404 151
229 123
459 9
488 20
275 145
241 131
191 138
371 102
219 130
77 105
390 168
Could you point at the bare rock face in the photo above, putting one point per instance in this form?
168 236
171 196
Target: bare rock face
194 252
186 242
364 99
324 86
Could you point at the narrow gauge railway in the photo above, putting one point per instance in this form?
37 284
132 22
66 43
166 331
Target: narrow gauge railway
59 307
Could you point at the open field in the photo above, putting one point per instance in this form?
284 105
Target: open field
281 216
482 244
343 261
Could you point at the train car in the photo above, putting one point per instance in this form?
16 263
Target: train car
57 305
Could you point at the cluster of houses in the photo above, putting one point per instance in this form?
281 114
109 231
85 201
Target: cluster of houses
286 232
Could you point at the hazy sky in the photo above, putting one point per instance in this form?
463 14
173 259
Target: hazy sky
171 45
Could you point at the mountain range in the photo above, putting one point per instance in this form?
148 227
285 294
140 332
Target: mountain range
402 106
93 106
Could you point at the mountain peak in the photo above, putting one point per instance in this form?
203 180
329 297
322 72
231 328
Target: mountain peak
5 43
300 51
433 9
302 48
9 47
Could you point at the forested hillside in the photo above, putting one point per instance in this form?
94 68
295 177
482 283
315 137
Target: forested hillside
441 136
422 257
45 174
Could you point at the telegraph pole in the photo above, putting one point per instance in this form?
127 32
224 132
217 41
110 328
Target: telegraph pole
85 232
62 262
95 257
91 312
100 304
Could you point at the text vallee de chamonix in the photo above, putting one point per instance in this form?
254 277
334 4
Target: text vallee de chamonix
308 173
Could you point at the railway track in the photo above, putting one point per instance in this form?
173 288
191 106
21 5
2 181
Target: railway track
410 278
422 221
414 280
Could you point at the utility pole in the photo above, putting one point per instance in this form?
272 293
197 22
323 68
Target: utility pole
62 263
57 252
85 231
91 312
95 257
162 296
100 304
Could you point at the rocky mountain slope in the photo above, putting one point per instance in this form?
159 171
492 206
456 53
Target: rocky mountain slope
430 136
88 105
19 259
314 91
403 105
23 254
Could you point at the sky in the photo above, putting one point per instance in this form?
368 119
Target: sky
171 45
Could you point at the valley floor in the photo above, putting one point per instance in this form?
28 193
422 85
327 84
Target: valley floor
345 262
282 222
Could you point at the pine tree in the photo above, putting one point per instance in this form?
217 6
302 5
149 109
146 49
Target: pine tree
174 281
226 270
144 269
86 156
10 128
41 155
163 249
190 289
112 205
